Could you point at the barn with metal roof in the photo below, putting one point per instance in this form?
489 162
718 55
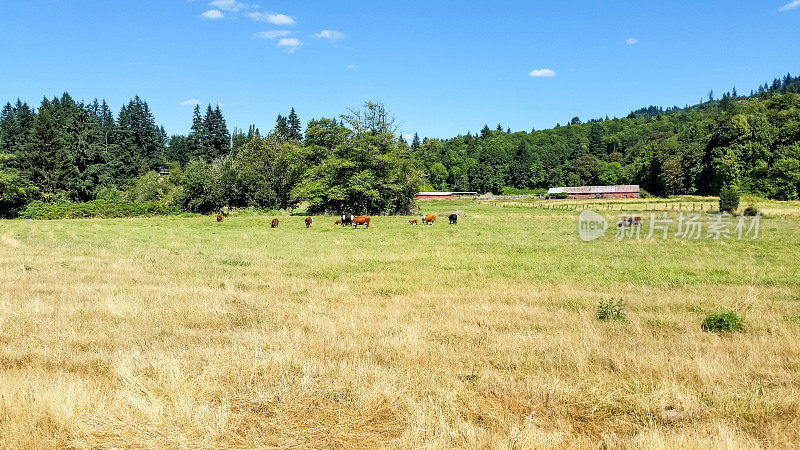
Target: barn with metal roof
578 192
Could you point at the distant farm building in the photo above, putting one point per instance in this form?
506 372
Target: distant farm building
619 191
443 195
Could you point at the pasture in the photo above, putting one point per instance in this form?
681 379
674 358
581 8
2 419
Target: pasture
185 332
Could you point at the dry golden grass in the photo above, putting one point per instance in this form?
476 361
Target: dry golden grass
184 332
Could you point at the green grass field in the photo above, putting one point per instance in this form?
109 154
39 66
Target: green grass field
183 332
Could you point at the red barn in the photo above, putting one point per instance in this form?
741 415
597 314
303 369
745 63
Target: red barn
579 192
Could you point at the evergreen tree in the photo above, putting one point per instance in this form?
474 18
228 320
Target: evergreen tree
178 150
84 144
282 127
415 143
597 145
485 132
148 142
197 136
217 140
13 132
210 126
46 164
295 126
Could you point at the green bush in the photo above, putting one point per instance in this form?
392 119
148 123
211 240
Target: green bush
559 196
729 200
107 206
611 310
644 194
751 210
722 322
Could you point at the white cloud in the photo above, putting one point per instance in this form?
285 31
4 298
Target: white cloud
220 105
277 19
190 102
633 41
351 66
330 35
272 34
791 5
291 43
212 14
227 5
546 73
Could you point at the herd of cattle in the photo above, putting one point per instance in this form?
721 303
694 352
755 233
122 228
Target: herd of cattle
355 221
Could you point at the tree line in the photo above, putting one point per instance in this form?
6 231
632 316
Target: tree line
68 151
749 142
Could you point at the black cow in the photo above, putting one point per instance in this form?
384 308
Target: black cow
347 219
453 219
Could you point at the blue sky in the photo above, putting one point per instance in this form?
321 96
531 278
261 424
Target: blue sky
443 68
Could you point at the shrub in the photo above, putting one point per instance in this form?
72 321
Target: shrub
751 210
722 322
559 196
611 310
106 206
729 200
644 194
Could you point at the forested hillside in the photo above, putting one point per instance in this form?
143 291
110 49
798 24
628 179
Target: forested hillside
69 152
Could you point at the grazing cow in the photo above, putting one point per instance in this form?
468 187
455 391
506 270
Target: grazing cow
338 222
220 217
428 218
275 223
413 222
630 221
361 220
453 219
347 219
309 221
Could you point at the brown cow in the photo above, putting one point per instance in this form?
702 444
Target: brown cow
220 217
413 222
428 218
309 221
338 222
630 221
361 220
275 223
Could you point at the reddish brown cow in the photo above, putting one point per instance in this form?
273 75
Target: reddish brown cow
428 218
413 222
220 217
275 223
361 220
338 222
309 221
630 221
